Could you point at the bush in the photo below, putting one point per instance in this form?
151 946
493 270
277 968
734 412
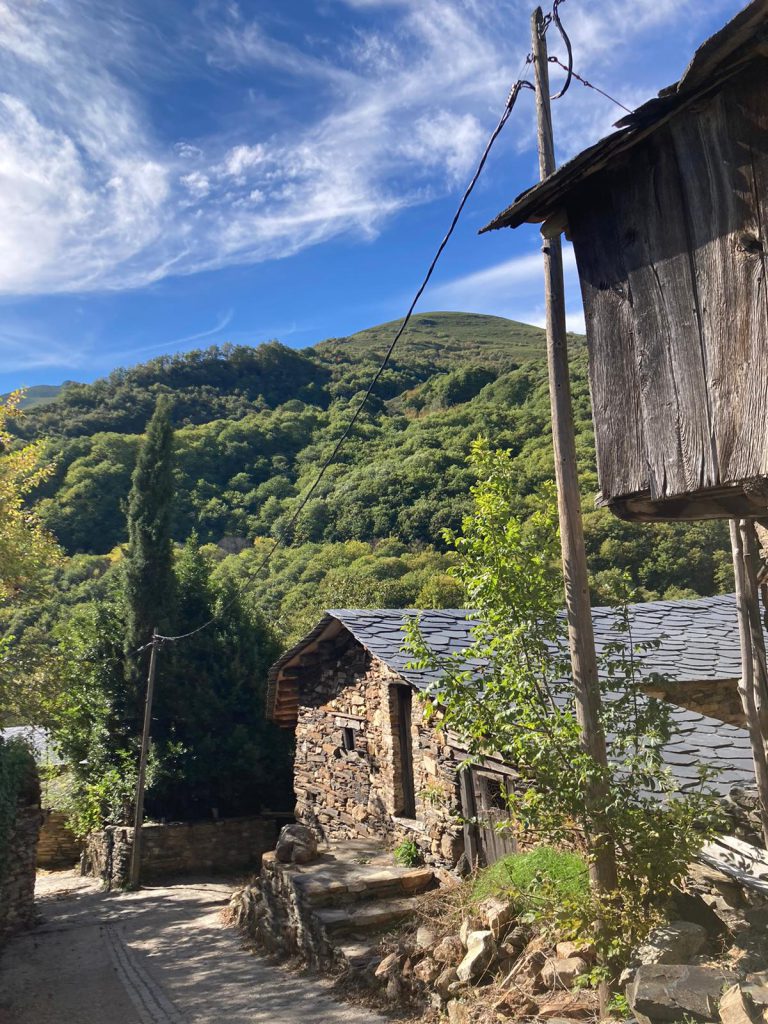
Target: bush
17 768
528 878
407 854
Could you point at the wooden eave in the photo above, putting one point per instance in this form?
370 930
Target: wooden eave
742 40
283 680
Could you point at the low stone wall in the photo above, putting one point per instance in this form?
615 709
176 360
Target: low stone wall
17 873
57 847
180 848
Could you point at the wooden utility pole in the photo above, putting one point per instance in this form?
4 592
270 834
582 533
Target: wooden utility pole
138 820
577 602
753 684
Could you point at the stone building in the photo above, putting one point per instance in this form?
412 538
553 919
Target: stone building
368 764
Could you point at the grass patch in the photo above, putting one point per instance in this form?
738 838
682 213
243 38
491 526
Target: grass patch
525 878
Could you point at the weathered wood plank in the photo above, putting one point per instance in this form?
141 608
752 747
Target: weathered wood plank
613 378
668 343
721 150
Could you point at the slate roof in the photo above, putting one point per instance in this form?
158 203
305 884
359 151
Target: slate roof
699 643
723 54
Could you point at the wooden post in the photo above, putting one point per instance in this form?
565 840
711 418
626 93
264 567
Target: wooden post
469 813
577 601
134 880
752 684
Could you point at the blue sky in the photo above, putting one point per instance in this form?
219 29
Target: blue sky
179 174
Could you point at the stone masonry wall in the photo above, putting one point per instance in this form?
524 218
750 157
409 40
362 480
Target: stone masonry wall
17 874
357 793
57 847
719 699
180 848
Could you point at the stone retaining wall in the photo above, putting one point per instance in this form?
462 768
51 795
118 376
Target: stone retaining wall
57 847
180 848
17 873
347 773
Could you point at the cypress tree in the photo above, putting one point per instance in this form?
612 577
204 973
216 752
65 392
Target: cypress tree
149 577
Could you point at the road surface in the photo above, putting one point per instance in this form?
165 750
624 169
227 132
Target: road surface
158 956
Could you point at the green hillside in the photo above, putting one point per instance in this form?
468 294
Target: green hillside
38 394
254 424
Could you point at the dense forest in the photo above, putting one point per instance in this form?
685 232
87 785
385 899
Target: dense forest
252 426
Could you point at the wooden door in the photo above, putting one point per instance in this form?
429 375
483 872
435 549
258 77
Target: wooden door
407 808
485 809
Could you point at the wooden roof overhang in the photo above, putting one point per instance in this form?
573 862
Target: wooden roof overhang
282 704
667 218
723 55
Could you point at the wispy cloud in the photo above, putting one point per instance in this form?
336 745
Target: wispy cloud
513 288
390 113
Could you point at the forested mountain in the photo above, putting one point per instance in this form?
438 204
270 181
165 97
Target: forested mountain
254 424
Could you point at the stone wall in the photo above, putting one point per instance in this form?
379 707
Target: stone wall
719 699
347 773
181 848
17 873
57 847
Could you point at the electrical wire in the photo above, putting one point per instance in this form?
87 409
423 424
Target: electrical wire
508 108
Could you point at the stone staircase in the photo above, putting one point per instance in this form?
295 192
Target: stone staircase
334 910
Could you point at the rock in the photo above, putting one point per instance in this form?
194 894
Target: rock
449 951
675 943
583 948
691 906
481 950
561 973
582 1005
296 844
496 914
394 988
427 970
463 868
758 994
469 925
519 937
517 1005
387 966
426 937
668 992
457 1012
736 1007
444 980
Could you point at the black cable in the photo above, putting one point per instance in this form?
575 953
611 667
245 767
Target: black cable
511 100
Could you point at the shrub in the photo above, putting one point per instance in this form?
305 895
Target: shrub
407 854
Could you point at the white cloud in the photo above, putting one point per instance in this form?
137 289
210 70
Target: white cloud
391 113
513 288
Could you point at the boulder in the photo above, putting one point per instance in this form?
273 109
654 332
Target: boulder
426 938
457 1012
675 943
426 970
736 1007
481 950
444 980
496 914
449 951
581 1005
296 844
583 948
668 992
561 973
387 966
469 925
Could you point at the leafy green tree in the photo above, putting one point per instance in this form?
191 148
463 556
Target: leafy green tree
149 580
521 706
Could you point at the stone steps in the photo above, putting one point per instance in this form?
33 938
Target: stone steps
365 917
380 885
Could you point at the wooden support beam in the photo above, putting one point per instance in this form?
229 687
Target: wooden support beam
577 601
752 684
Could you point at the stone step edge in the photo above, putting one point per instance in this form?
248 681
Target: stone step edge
318 894
366 918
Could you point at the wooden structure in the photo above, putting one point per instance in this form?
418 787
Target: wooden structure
669 222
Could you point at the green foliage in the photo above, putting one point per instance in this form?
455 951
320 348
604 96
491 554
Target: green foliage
407 854
542 876
148 588
521 707
17 769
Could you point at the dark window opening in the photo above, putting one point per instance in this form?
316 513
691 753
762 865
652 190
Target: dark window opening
348 738
406 797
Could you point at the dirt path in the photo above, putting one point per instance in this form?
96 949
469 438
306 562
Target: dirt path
160 956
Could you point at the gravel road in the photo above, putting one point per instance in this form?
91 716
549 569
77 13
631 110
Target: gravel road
159 956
